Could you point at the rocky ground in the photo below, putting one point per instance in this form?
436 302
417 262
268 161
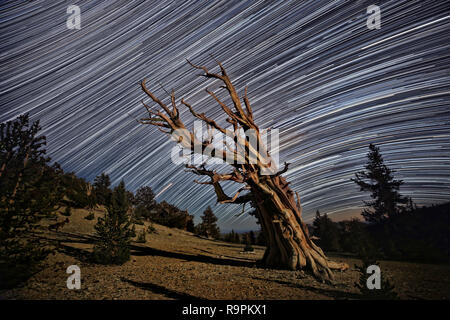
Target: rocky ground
175 264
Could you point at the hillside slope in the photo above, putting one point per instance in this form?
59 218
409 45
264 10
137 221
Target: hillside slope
176 264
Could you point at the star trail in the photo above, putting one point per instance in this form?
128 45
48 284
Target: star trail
314 71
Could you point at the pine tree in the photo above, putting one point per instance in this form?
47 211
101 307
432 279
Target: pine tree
208 226
327 231
101 189
30 189
145 203
78 192
378 179
131 198
190 227
114 230
145 197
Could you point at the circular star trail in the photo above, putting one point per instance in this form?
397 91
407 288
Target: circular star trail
315 71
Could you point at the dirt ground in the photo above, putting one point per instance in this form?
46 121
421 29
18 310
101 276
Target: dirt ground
175 264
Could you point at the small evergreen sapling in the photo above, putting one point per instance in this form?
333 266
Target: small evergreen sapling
114 230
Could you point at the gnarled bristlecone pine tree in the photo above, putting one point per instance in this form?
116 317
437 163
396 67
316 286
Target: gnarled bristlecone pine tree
277 207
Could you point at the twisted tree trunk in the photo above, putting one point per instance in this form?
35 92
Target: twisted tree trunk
287 236
289 245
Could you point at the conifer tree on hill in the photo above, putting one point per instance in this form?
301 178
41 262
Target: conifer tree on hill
114 230
208 226
102 189
145 204
30 189
145 197
378 179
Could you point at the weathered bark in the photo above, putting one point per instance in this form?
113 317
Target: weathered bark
289 245
287 236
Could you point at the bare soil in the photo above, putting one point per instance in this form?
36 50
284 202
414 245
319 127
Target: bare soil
176 264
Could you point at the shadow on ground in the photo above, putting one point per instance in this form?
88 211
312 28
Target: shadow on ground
161 290
148 251
336 294
84 255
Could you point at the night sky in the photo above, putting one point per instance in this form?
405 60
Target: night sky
314 71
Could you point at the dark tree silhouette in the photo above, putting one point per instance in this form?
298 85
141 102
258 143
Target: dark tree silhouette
145 197
78 192
327 231
190 224
145 203
114 230
101 189
30 189
378 179
208 226
232 237
131 198
171 216
236 237
288 242
356 238
252 237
